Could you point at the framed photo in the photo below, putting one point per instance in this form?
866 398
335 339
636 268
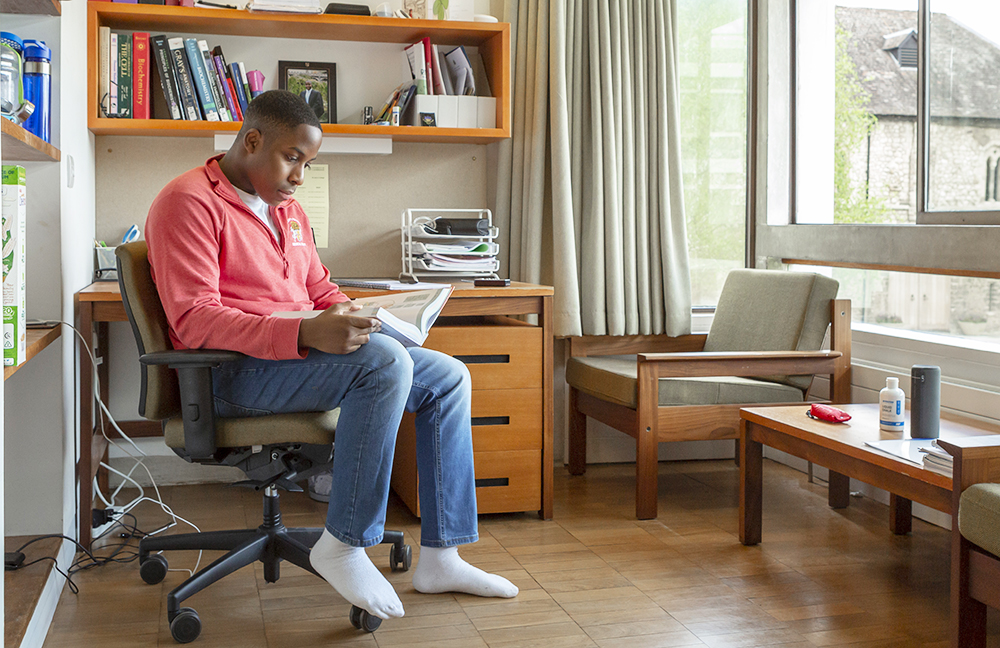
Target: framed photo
314 82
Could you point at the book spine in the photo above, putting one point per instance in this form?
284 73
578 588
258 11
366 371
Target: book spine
104 53
199 75
140 75
234 68
245 81
167 81
234 107
125 75
184 84
232 91
113 76
429 65
213 80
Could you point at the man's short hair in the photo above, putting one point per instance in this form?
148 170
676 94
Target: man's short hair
278 109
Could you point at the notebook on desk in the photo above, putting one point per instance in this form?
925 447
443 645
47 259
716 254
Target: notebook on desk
386 284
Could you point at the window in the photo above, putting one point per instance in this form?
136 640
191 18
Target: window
906 140
713 120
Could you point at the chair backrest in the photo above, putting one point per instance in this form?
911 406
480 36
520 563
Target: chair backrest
159 395
772 310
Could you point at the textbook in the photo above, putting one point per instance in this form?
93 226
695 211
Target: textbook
406 316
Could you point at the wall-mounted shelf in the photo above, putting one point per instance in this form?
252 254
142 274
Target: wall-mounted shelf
36 7
492 39
38 339
21 146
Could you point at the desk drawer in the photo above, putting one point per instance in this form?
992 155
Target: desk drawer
506 419
506 357
508 481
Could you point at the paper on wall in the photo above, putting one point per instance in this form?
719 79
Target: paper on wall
314 196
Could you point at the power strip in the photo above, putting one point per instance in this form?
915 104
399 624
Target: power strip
104 519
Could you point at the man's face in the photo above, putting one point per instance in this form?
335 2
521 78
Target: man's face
279 159
309 85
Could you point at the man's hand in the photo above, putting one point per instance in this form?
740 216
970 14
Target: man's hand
335 330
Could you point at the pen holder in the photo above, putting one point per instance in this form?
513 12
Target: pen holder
106 266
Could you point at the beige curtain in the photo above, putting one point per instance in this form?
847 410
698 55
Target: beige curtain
589 185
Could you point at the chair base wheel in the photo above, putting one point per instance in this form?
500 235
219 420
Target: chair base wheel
153 569
185 626
400 562
362 620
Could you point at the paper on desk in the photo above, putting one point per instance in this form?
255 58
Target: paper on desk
314 196
905 449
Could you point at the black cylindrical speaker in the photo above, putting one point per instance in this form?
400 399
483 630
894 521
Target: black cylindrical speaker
925 402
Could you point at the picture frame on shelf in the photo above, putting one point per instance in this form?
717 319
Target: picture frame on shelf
315 82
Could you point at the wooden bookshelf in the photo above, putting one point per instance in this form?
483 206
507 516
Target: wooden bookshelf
492 39
23 587
38 339
21 146
36 7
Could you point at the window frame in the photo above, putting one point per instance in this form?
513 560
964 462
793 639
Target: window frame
961 243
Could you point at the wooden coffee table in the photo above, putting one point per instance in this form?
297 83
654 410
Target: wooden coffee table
841 448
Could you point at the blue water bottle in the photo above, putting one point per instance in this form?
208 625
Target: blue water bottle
38 87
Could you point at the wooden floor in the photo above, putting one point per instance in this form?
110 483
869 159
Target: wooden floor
592 576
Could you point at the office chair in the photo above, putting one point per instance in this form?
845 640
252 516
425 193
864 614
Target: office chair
273 451
763 349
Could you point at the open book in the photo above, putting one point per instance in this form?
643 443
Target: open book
405 316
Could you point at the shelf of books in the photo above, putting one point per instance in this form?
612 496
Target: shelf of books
34 7
21 146
172 35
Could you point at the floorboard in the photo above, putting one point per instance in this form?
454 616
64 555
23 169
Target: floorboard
591 576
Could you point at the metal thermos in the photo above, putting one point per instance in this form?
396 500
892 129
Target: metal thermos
38 87
925 402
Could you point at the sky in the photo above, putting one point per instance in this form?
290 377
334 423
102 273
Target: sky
981 16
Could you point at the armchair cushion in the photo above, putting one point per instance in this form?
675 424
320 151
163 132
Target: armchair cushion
979 516
614 378
764 310
277 429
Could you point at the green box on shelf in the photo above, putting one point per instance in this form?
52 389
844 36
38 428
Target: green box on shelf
14 226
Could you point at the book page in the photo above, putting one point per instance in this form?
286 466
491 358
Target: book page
417 307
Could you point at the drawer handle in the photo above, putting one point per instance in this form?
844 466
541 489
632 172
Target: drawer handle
491 420
493 481
484 359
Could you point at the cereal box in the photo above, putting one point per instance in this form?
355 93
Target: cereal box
14 226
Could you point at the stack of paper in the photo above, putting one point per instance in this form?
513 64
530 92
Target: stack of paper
287 6
937 459
461 255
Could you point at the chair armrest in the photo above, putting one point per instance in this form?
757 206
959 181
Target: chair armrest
977 460
190 358
742 364
194 382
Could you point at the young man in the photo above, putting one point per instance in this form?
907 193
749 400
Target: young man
229 246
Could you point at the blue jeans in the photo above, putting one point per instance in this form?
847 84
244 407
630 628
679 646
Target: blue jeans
372 386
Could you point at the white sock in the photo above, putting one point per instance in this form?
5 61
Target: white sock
354 576
441 569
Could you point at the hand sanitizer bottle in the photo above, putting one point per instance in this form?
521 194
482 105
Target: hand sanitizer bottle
892 402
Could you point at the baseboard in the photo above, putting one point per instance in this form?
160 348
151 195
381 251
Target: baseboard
45 609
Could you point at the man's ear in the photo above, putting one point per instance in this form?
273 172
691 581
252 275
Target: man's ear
252 140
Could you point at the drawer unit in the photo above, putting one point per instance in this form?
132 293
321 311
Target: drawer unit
506 365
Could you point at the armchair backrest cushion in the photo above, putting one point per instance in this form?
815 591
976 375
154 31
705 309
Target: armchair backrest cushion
159 396
772 310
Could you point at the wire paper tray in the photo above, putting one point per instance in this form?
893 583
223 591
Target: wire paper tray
412 233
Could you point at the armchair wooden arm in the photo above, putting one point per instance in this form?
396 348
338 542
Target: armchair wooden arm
742 364
975 573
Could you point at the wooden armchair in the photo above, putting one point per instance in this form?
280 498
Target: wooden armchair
975 537
763 348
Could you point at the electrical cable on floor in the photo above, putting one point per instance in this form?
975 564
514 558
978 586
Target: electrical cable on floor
129 532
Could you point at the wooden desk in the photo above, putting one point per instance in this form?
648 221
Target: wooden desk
469 306
841 448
